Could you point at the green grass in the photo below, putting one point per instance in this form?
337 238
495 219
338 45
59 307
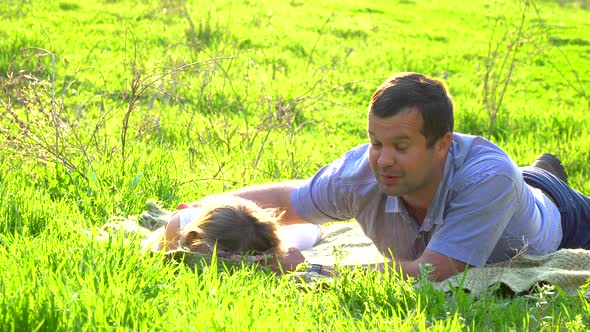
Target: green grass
121 101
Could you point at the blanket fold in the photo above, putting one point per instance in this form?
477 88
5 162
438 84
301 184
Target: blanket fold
569 269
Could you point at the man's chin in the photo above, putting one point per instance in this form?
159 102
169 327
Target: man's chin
390 190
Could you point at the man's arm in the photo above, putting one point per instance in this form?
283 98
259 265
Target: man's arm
443 266
272 195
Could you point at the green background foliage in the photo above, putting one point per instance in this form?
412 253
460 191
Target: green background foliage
107 104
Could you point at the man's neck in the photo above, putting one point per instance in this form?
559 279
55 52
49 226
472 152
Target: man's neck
421 200
418 203
417 213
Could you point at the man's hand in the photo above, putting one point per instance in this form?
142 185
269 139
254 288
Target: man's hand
286 262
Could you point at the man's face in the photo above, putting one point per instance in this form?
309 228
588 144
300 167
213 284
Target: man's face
400 159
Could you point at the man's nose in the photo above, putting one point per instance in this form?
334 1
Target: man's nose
387 157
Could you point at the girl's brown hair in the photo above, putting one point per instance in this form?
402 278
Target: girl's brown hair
235 225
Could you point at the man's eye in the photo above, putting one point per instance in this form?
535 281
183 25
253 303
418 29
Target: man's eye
375 144
401 147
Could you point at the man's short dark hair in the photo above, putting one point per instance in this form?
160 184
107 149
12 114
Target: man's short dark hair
418 92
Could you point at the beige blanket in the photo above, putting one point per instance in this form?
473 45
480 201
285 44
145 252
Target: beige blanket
568 269
345 242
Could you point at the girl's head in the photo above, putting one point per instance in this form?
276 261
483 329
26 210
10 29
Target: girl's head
234 225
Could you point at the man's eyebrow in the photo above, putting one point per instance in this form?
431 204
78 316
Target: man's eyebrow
394 138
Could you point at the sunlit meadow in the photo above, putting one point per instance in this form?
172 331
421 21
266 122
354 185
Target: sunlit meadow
106 104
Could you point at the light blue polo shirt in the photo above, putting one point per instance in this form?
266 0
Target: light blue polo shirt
482 212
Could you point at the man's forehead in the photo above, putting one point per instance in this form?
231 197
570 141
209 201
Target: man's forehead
404 120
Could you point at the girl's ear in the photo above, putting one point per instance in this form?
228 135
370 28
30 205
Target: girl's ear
194 240
190 237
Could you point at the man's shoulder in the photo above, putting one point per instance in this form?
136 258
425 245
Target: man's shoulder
475 155
466 148
354 168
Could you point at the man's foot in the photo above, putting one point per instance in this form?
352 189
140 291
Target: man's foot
551 164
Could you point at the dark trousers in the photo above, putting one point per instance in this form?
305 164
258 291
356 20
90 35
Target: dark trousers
573 206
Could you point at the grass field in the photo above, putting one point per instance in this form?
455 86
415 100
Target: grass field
109 103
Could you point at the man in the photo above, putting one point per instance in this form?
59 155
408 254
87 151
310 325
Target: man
426 195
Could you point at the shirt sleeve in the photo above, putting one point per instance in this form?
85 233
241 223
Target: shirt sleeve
476 218
323 198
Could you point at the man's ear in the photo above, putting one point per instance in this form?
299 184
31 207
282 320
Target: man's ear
443 144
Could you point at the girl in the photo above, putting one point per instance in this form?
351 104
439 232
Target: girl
234 225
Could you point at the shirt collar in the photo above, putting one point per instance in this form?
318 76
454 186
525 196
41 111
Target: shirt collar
436 213
392 204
